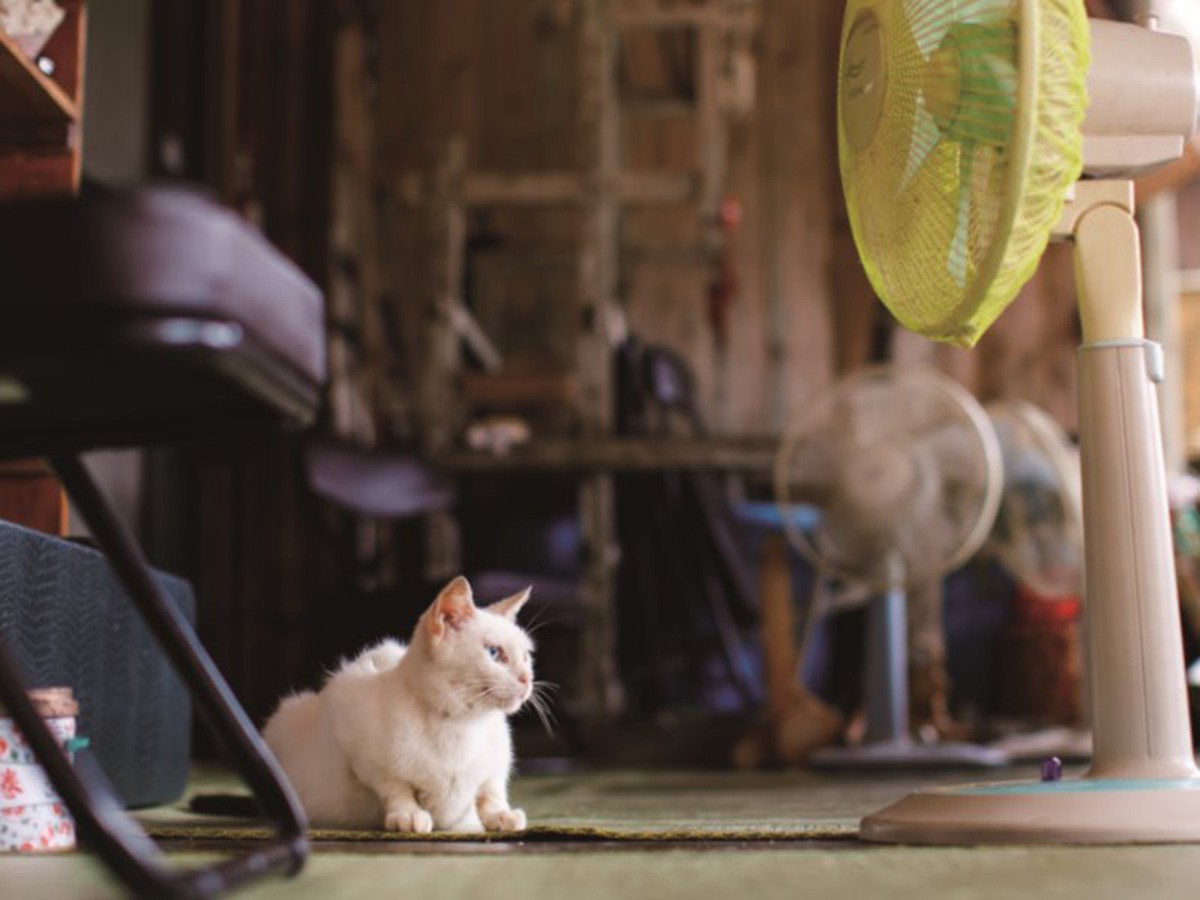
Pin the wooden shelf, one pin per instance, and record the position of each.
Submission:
(26, 93)
(518, 389)
(730, 454)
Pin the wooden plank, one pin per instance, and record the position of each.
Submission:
(712, 152)
(37, 174)
(33, 499)
(443, 360)
(711, 453)
(540, 188)
(511, 390)
(506, 91)
(711, 149)
(481, 189)
(655, 188)
(359, 385)
(26, 93)
(599, 689)
(66, 48)
(797, 193)
(727, 14)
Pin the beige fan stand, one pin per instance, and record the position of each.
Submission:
(1143, 785)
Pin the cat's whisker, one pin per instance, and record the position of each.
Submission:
(537, 626)
(540, 697)
(537, 704)
(542, 618)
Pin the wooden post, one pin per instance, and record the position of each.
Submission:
(797, 186)
(442, 371)
(355, 290)
(443, 362)
(712, 153)
(600, 698)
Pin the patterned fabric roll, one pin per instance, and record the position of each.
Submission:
(33, 819)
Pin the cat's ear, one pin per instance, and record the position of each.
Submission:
(453, 607)
(510, 606)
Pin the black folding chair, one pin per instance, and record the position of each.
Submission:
(131, 319)
(680, 524)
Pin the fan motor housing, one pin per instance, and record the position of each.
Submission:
(1144, 95)
(864, 80)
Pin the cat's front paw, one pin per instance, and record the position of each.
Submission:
(505, 820)
(411, 820)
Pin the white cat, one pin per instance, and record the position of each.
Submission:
(415, 738)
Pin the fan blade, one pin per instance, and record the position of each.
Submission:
(1038, 536)
(931, 20)
(957, 262)
(955, 451)
(925, 139)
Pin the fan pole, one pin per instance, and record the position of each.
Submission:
(1138, 688)
(886, 682)
(1143, 784)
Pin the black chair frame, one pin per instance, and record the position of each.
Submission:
(101, 821)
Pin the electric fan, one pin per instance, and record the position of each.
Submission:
(1038, 539)
(903, 469)
(962, 134)
(1038, 535)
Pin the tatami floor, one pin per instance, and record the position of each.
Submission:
(621, 835)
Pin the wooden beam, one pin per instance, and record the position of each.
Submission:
(608, 454)
(474, 336)
(600, 695)
(551, 188)
(514, 390)
(499, 189)
(443, 361)
(661, 188)
(739, 15)
(798, 199)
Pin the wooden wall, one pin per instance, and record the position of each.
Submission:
(307, 116)
(500, 73)
(240, 100)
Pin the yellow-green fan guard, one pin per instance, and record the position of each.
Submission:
(959, 127)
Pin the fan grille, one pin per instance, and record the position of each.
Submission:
(958, 145)
(903, 468)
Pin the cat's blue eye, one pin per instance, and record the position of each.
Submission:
(493, 651)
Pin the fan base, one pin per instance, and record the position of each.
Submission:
(908, 754)
(1074, 811)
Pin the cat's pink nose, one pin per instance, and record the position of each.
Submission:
(524, 679)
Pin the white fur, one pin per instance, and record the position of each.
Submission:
(416, 738)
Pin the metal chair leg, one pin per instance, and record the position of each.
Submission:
(100, 819)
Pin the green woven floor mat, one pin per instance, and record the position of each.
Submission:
(607, 806)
